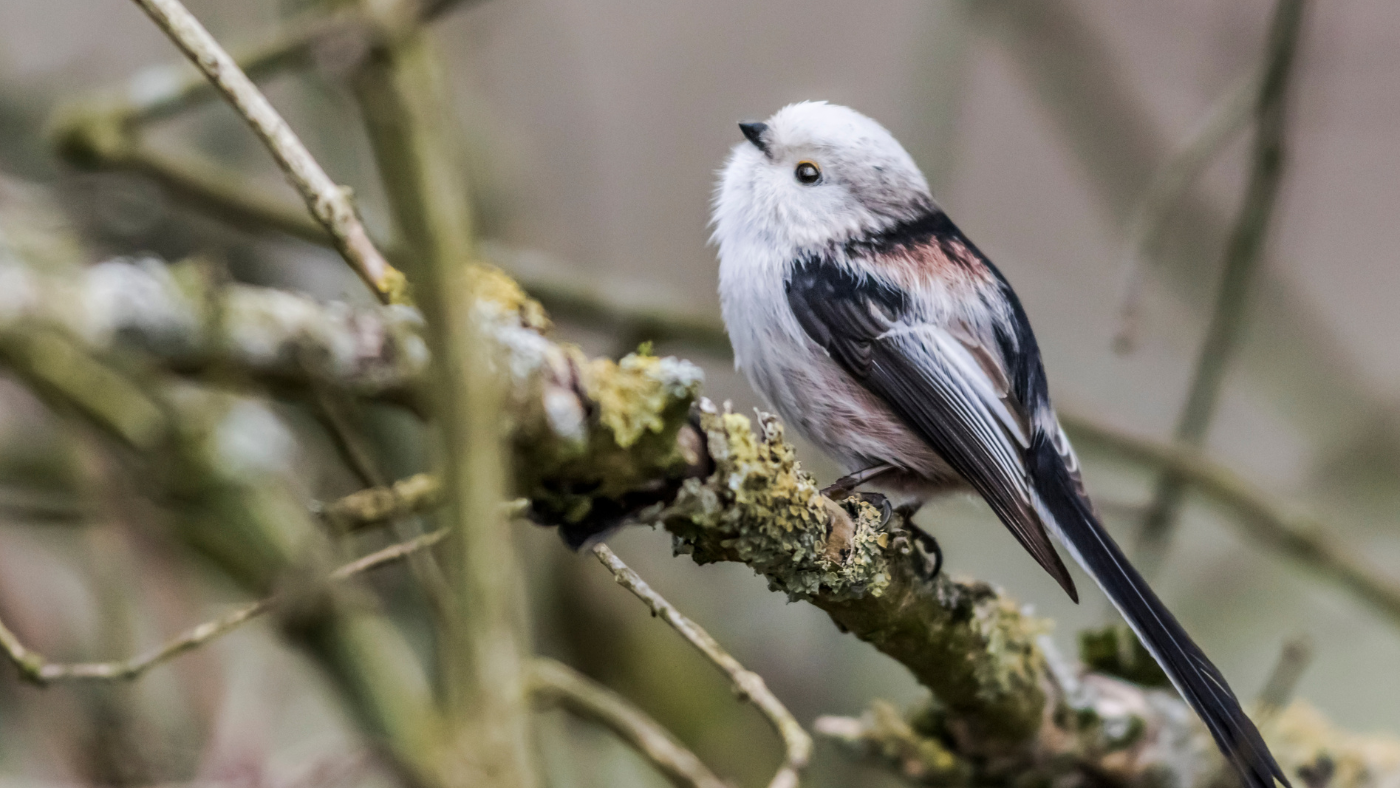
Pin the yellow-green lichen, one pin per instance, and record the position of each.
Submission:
(638, 395)
(882, 735)
(488, 284)
(636, 407)
(760, 507)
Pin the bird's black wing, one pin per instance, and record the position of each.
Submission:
(934, 379)
(985, 409)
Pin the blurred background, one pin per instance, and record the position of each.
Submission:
(594, 132)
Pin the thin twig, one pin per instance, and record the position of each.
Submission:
(354, 450)
(1300, 538)
(166, 90)
(1169, 183)
(748, 685)
(381, 504)
(1295, 657)
(556, 684)
(1242, 255)
(389, 554)
(327, 201)
(198, 183)
(33, 667)
(359, 456)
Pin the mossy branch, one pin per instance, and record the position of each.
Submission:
(192, 321)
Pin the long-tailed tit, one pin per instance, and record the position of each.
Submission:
(876, 329)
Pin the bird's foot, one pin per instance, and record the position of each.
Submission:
(841, 488)
(931, 553)
(838, 490)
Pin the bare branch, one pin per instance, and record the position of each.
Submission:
(1242, 254)
(34, 668)
(748, 685)
(1297, 654)
(327, 201)
(166, 90)
(204, 186)
(389, 554)
(555, 684)
(1079, 81)
(1167, 187)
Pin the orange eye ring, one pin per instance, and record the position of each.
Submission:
(807, 172)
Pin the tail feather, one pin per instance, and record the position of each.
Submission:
(1201, 685)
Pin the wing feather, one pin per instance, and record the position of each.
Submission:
(937, 381)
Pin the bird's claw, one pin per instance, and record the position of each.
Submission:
(930, 549)
(932, 553)
(837, 491)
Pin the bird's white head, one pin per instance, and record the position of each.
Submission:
(813, 175)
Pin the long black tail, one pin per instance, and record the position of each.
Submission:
(1198, 681)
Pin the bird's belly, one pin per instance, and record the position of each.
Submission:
(825, 405)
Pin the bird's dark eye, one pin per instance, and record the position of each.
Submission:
(808, 172)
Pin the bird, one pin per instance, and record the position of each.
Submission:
(877, 330)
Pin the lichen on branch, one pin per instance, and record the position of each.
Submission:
(970, 646)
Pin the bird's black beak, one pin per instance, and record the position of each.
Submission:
(757, 133)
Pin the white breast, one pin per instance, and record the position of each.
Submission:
(799, 380)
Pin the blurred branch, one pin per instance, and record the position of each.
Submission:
(1299, 538)
(555, 684)
(590, 305)
(632, 326)
(195, 323)
(327, 201)
(167, 90)
(204, 186)
(1062, 50)
(35, 668)
(418, 493)
(748, 685)
(226, 196)
(191, 448)
(1167, 187)
(72, 380)
(336, 411)
(1295, 657)
(379, 504)
(411, 126)
(883, 736)
(1242, 255)
(22, 505)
